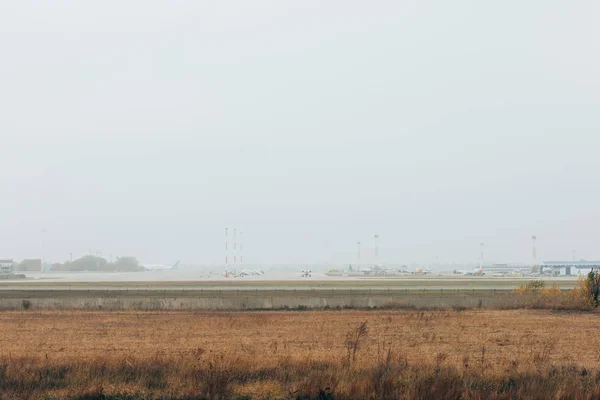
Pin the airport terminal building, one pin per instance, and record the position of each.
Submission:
(570, 268)
(6, 267)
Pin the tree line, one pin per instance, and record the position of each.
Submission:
(82, 264)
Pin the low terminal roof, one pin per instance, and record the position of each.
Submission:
(572, 263)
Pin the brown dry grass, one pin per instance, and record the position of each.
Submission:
(405, 354)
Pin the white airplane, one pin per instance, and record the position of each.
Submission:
(160, 267)
(475, 271)
(367, 270)
(245, 272)
(422, 271)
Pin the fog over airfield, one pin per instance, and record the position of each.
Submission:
(146, 127)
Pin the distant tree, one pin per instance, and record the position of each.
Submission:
(30, 265)
(92, 263)
(593, 287)
(86, 263)
(126, 264)
(587, 292)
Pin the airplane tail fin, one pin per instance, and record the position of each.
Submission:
(175, 266)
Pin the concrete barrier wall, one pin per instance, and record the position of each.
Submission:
(249, 300)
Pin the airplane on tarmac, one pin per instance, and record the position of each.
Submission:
(160, 267)
(422, 271)
(251, 272)
(475, 272)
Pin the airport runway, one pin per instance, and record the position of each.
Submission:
(257, 288)
(181, 290)
(182, 280)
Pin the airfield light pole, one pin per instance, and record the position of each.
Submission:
(44, 231)
(226, 251)
(481, 256)
(241, 250)
(534, 251)
(358, 247)
(574, 257)
(376, 240)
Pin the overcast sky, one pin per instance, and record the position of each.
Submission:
(146, 127)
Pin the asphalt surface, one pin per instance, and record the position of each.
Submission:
(182, 280)
(252, 288)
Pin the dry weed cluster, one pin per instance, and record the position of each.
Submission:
(583, 297)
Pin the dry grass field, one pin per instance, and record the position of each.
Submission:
(289, 355)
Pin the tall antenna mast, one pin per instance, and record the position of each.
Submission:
(234, 250)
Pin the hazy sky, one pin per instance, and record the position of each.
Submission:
(146, 127)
